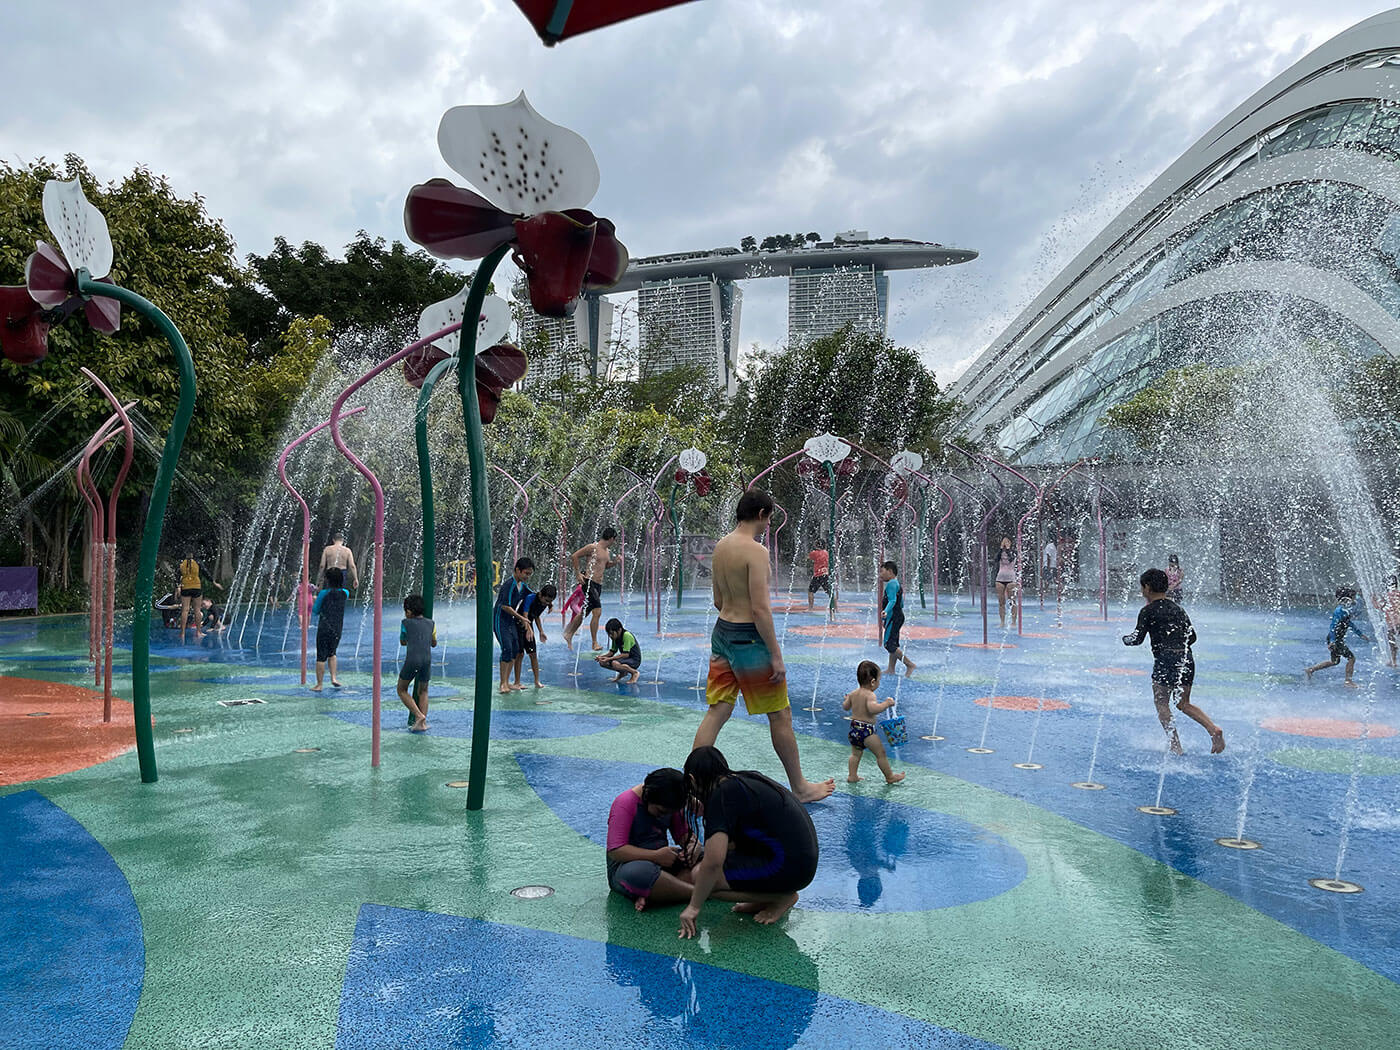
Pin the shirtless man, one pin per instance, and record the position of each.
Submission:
(597, 558)
(744, 653)
(336, 558)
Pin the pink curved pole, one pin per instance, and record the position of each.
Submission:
(303, 609)
(558, 493)
(368, 475)
(515, 526)
(1020, 565)
(113, 494)
(773, 466)
(937, 527)
(100, 605)
(774, 552)
(1035, 510)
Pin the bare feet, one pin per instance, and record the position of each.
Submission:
(854, 780)
(810, 792)
(420, 726)
(335, 683)
(1307, 673)
(538, 684)
(1217, 742)
(640, 904)
(1176, 747)
(895, 779)
(909, 667)
(315, 688)
(597, 648)
(747, 908)
(775, 911)
(569, 640)
(1349, 684)
(635, 676)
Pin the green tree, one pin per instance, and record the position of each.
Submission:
(376, 284)
(168, 249)
(854, 383)
(748, 244)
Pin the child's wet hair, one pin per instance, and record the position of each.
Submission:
(1155, 580)
(894, 568)
(665, 788)
(413, 605)
(613, 625)
(548, 593)
(868, 673)
(524, 564)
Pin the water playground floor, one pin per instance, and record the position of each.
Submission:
(274, 891)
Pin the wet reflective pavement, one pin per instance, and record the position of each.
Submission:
(272, 890)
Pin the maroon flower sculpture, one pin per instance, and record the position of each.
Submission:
(52, 283)
(499, 366)
(701, 481)
(24, 329)
(535, 178)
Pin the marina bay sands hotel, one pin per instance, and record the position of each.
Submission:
(688, 303)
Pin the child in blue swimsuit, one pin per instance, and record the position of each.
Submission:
(864, 705)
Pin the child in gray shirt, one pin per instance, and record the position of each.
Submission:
(419, 635)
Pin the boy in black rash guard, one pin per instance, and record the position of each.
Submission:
(1173, 668)
(330, 607)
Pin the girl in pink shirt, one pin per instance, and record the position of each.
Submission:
(641, 864)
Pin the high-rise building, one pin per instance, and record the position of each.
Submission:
(824, 299)
(688, 322)
(562, 346)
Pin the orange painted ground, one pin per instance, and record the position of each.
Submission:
(984, 645)
(1327, 728)
(69, 735)
(1133, 671)
(1021, 703)
(863, 631)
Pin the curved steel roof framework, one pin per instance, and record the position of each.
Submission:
(1215, 228)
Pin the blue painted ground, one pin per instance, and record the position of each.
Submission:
(421, 980)
(876, 854)
(73, 958)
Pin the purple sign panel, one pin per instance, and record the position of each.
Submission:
(19, 588)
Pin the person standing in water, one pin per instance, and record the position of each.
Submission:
(1007, 573)
(336, 560)
(744, 653)
(821, 577)
(1173, 666)
(1337, 638)
(1389, 606)
(596, 558)
(330, 607)
(191, 591)
(891, 610)
(1174, 577)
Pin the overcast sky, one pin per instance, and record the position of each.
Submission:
(1017, 128)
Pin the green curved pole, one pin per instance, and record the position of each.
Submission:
(831, 536)
(425, 484)
(155, 515)
(481, 528)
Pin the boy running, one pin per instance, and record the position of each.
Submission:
(597, 558)
(892, 617)
(1173, 666)
(864, 706)
(419, 634)
(1337, 638)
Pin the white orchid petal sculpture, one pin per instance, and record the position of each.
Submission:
(827, 448)
(78, 227)
(492, 327)
(519, 161)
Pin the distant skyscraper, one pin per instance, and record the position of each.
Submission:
(690, 321)
(560, 346)
(824, 299)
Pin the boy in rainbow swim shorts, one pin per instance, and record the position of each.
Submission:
(744, 653)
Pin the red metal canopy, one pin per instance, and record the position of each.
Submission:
(555, 20)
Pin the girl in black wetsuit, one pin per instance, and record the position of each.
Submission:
(760, 844)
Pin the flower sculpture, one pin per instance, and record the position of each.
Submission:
(83, 244)
(57, 282)
(499, 366)
(535, 179)
(24, 326)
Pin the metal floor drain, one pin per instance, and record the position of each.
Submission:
(1157, 811)
(1335, 886)
(1087, 785)
(532, 893)
(1237, 843)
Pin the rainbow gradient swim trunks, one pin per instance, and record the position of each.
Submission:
(740, 663)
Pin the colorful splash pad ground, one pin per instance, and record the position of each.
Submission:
(273, 891)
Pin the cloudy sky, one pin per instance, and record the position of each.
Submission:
(1015, 127)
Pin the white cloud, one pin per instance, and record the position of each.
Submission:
(1017, 130)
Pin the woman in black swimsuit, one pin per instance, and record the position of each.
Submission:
(760, 844)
